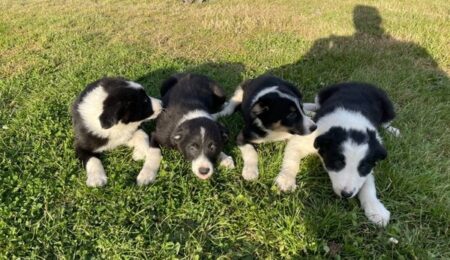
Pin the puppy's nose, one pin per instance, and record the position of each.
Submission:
(203, 170)
(312, 128)
(346, 194)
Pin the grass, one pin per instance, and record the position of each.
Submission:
(49, 50)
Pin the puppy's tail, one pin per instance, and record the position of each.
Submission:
(231, 105)
(392, 130)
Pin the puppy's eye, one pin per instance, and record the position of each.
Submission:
(339, 164)
(193, 148)
(212, 147)
(292, 115)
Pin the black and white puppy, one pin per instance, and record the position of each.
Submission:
(187, 125)
(272, 111)
(107, 114)
(347, 117)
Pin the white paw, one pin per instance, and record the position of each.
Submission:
(145, 177)
(394, 131)
(250, 173)
(378, 214)
(137, 155)
(96, 180)
(227, 162)
(285, 182)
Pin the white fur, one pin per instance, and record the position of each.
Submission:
(348, 179)
(250, 156)
(226, 161)
(394, 131)
(373, 208)
(202, 134)
(134, 85)
(296, 148)
(152, 157)
(232, 104)
(96, 176)
(193, 115)
(202, 161)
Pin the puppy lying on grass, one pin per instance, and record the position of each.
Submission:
(107, 114)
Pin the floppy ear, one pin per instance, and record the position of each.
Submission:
(325, 140)
(223, 132)
(322, 141)
(111, 115)
(379, 152)
(259, 107)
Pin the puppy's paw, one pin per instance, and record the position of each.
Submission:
(145, 177)
(377, 213)
(97, 179)
(227, 162)
(285, 182)
(250, 173)
(138, 155)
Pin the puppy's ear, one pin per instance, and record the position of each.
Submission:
(223, 132)
(111, 115)
(334, 134)
(178, 135)
(167, 84)
(379, 152)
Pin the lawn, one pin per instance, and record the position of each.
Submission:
(49, 50)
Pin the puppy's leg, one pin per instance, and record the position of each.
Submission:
(96, 176)
(296, 149)
(249, 155)
(226, 161)
(229, 108)
(373, 208)
(394, 131)
(151, 155)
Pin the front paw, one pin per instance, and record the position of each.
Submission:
(145, 177)
(137, 155)
(227, 162)
(96, 180)
(285, 182)
(250, 173)
(377, 213)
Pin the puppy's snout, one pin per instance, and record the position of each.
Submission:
(346, 194)
(203, 170)
(312, 128)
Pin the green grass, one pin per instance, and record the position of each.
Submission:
(49, 50)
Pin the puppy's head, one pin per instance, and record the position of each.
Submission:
(127, 102)
(349, 156)
(284, 114)
(200, 140)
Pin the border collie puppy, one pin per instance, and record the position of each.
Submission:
(107, 114)
(186, 123)
(347, 117)
(272, 111)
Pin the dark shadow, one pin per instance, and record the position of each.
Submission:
(370, 54)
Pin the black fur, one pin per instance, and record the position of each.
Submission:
(123, 104)
(372, 103)
(181, 94)
(367, 99)
(275, 113)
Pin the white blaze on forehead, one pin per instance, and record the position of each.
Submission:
(134, 85)
(202, 133)
(193, 115)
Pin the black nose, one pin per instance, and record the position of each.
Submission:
(345, 194)
(203, 170)
(312, 128)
